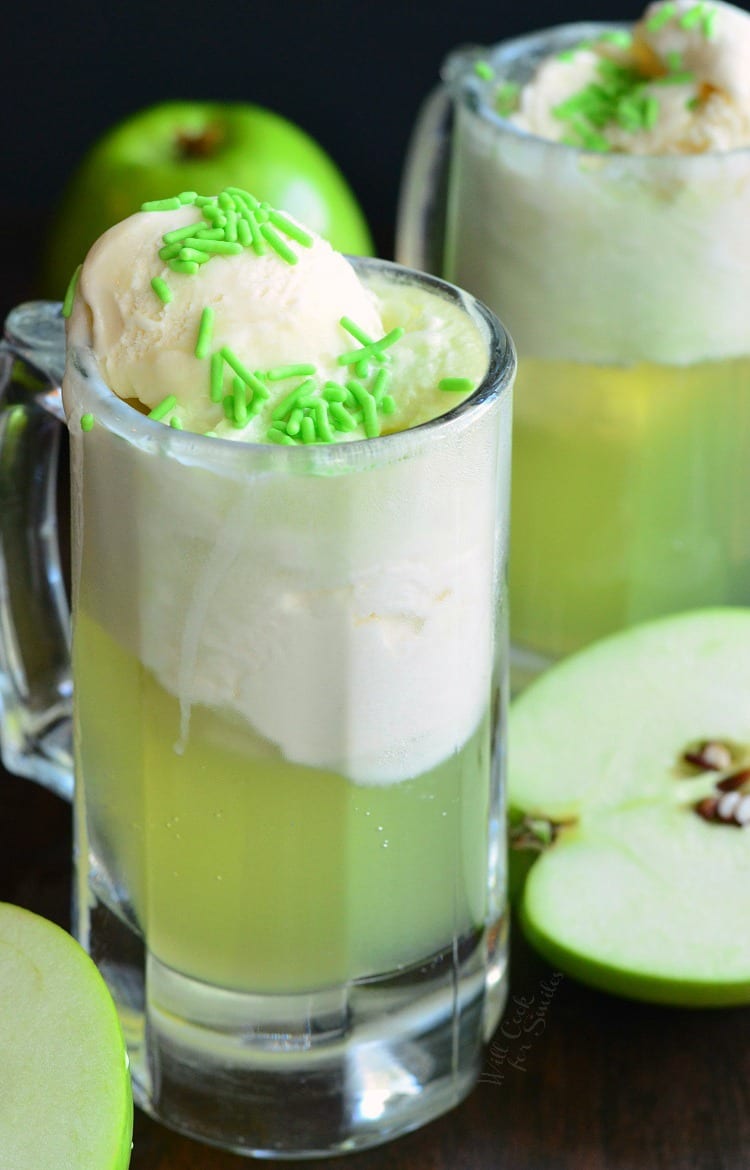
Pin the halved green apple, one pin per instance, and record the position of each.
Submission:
(65, 1096)
(628, 773)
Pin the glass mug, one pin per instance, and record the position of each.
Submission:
(301, 913)
(625, 283)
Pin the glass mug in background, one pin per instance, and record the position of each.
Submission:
(625, 283)
(300, 913)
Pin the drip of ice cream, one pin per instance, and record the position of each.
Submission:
(680, 83)
(222, 315)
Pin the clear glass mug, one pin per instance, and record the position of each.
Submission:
(289, 698)
(625, 283)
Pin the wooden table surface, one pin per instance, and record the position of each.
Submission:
(574, 1080)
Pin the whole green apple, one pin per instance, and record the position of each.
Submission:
(177, 146)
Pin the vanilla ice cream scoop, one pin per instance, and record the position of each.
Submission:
(221, 315)
(679, 84)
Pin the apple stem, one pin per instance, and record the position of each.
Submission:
(534, 833)
(204, 144)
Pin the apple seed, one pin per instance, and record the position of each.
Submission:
(742, 812)
(711, 755)
(731, 808)
(727, 805)
(737, 781)
(707, 807)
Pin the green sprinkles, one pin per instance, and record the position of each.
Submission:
(162, 290)
(355, 331)
(230, 357)
(287, 404)
(205, 332)
(291, 229)
(274, 239)
(239, 402)
(484, 70)
(216, 380)
(295, 421)
(280, 373)
(660, 18)
(199, 255)
(256, 239)
(170, 251)
(163, 408)
(382, 378)
(178, 234)
(232, 221)
(172, 204)
(212, 247)
(276, 436)
(709, 22)
(187, 267)
(619, 97)
(341, 418)
(506, 98)
(701, 14)
(87, 422)
(456, 385)
(617, 37)
(684, 77)
(70, 292)
(308, 434)
(322, 422)
(373, 349)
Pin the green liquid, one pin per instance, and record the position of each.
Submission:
(630, 490)
(255, 874)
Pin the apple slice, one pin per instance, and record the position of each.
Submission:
(630, 772)
(65, 1097)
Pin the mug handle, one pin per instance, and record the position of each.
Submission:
(422, 205)
(35, 673)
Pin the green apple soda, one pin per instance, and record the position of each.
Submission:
(289, 688)
(651, 518)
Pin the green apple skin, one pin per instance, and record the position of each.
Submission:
(637, 895)
(243, 145)
(66, 1099)
(632, 985)
(598, 917)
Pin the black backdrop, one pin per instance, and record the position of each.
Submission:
(351, 73)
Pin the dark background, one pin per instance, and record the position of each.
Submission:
(352, 74)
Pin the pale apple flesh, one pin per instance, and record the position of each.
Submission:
(639, 894)
(66, 1098)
